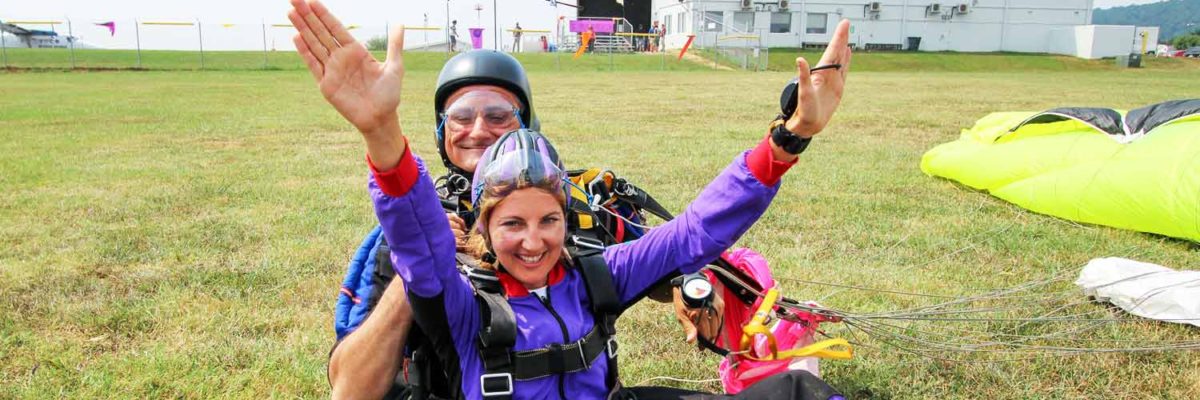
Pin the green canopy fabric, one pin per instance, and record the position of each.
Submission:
(1137, 170)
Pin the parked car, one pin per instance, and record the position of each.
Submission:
(1193, 52)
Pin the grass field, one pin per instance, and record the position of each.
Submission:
(184, 233)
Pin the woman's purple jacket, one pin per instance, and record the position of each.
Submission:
(423, 250)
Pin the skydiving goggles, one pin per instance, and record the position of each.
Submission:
(489, 108)
(522, 168)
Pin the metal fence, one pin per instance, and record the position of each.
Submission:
(190, 45)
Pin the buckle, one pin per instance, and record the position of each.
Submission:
(611, 347)
(504, 378)
(587, 242)
(482, 274)
(583, 360)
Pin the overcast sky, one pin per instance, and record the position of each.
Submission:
(247, 16)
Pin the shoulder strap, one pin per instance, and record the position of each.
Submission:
(605, 301)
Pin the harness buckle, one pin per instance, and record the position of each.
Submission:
(500, 378)
(587, 242)
(457, 184)
(583, 360)
(611, 347)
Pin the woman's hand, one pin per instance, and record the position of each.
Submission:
(819, 93)
(365, 91)
(705, 322)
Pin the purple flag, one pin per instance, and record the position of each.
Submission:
(112, 27)
(476, 38)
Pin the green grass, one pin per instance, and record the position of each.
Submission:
(183, 234)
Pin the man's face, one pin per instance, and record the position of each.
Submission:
(474, 117)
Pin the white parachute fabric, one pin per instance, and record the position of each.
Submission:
(1144, 289)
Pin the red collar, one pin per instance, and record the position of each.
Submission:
(512, 288)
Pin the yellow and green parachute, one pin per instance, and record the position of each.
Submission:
(1137, 170)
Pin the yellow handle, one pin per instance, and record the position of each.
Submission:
(836, 349)
(822, 349)
(758, 323)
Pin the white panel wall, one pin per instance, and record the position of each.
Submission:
(988, 25)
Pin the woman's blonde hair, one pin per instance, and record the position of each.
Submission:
(478, 244)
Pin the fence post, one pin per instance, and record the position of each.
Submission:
(71, 42)
(4, 48)
(137, 34)
(200, 32)
(266, 64)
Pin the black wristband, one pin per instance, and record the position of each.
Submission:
(788, 141)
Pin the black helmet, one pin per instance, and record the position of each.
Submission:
(481, 67)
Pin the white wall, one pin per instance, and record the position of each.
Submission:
(989, 25)
(1091, 41)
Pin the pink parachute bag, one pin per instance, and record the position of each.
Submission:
(738, 373)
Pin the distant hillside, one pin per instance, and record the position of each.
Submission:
(1172, 16)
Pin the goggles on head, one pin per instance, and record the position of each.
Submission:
(522, 168)
(485, 107)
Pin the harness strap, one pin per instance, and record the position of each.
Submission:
(634, 195)
(559, 358)
(606, 303)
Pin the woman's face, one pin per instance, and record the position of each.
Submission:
(475, 116)
(527, 230)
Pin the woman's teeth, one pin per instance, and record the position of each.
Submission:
(532, 259)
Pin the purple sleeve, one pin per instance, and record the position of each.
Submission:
(418, 235)
(723, 211)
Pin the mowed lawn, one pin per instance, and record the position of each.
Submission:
(184, 233)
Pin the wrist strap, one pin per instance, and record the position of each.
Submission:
(787, 140)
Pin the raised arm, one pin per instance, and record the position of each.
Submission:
(365, 91)
(734, 201)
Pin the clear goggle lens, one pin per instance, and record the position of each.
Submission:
(482, 107)
(523, 168)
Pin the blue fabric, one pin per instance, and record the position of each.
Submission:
(348, 315)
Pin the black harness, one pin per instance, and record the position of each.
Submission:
(498, 332)
(589, 235)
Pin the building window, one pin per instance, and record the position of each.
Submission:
(743, 21)
(781, 22)
(713, 21)
(817, 23)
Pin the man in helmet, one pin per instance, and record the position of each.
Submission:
(480, 96)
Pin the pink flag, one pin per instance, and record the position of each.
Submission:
(112, 27)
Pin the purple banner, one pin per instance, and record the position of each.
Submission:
(600, 26)
(476, 38)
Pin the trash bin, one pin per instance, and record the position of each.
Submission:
(1135, 60)
(914, 43)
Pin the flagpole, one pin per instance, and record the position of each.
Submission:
(200, 31)
(264, 31)
(137, 34)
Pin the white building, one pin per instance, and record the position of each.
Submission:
(1028, 26)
